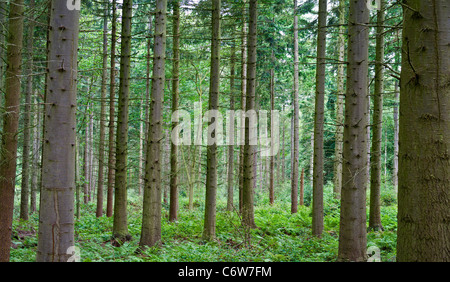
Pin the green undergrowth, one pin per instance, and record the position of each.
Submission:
(280, 236)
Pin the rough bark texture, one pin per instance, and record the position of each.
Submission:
(424, 160)
(337, 170)
(377, 126)
(319, 119)
(151, 217)
(56, 217)
(352, 233)
(295, 131)
(120, 225)
(209, 230)
(173, 211)
(10, 126)
(112, 110)
(249, 163)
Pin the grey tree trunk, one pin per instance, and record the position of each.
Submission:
(377, 126)
(56, 215)
(10, 126)
(424, 160)
(295, 150)
(209, 229)
(230, 173)
(317, 201)
(151, 216)
(120, 223)
(352, 231)
(35, 172)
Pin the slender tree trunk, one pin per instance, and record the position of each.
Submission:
(377, 126)
(112, 110)
(352, 232)
(173, 211)
(86, 157)
(25, 191)
(337, 178)
(10, 126)
(295, 159)
(243, 102)
(56, 215)
(424, 160)
(101, 148)
(151, 216)
(317, 202)
(209, 230)
(395, 163)
(120, 223)
(272, 157)
(302, 185)
(230, 178)
(249, 174)
(36, 156)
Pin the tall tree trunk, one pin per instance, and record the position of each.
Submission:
(230, 178)
(209, 230)
(352, 232)
(272, 108)
(317, 201)
(10, 126)
(35, 172)
(302, 185)
(120, 223)
(101, 148)
(243, 101)
(395, 162)
(295, 156)
(56, 217)
(151, 215)
(173, 211)
(112, 110)
(424, 160)
(377, 126)
(337, 177)
(86, 157)
(249, 174)
(25, 191)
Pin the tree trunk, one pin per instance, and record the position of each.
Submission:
(151, 216)
(395, 162)
(101, 148)
(25, 185)
(377, 126)
(209, 230)
(120, 223)
(243, 102)
(112, 110)
(352, 232)
(317, 200)
(249, 173)
(230, 178)
(337, 178)
(56, 217)
(295, 156)
(87, 162)
(424, 161)
(302, 185)
(272, 145)
(173, 211)
(36, 156)
(10, 126)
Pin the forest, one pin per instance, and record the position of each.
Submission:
(225, 131)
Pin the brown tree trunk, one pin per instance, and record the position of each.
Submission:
(120, 223)
(317, 201)
(424, 160)
(56, 215)
(352, 232)
(151, 215)
(295, 150)
(10, 126)
(377, 126)
(230, 178)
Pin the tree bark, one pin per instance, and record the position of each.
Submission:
(352, 231)
(424, 160)
(112, 110)
(377, 126)
(337, 178)
(209, 229)
(317, 201)
(295, 156)
(151, 216)
(120, 223)
(249, 173)
(10, 126)
(173, 210)
(56, 215)
(230, 178)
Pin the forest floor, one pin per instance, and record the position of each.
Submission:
(280, 236)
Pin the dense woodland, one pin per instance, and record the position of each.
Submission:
(358, 101)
